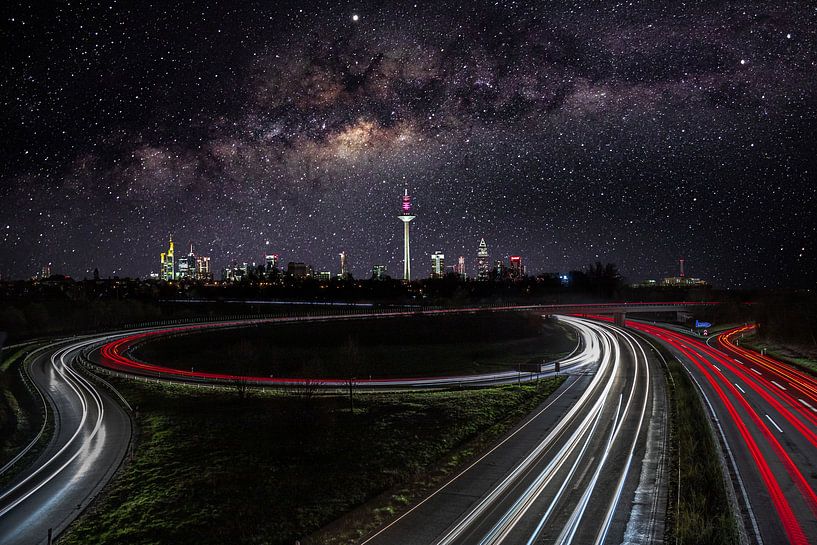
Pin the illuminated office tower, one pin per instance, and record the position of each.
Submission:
(187, 265)
(379, 272)
(437, 265)
(271, 261)
(459, 268)
(167, 268)
(483, 262)
(517, 270)
(203, 268)
(499, 270)
(406, 217)
(344, 266)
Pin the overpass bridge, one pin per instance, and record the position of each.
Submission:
(619, 310)
(312, 309)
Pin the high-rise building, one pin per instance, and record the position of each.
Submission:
(235, 272)
(437, 265)
(324, 276)
(483, 265)
(379, 272)
(499, 270)
(203, 268)
(517, 270)
(299, 270)
(406, 217)
(45, 273)
(459, 268)
(167, 267)
(344, 266)
(187, 265)
(271, 261)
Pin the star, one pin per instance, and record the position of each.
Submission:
(534, 128)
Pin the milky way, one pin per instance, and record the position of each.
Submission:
(568, 134)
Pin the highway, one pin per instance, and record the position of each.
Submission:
(91, 436)
(90, 430)
(586, 467)
(765, 413)
(117, 356)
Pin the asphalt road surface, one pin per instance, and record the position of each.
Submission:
(586, 467)
(765, 413)
(91, 436)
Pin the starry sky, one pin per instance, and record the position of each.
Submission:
(564, 132)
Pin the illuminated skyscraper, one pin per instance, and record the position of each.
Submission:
(271, 261)
(379, 272)
(437, 265)
(459, 268)
(406, 217)
(203, 268)
(517, 271)
(344, 266)
(167, 267)
(483, 262)
(499, 270)
(187, 265)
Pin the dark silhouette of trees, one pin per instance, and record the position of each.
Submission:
(790, 318)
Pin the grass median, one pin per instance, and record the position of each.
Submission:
(236, 467)
(699, 509)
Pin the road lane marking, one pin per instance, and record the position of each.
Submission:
(774, 423)
(779, 385)
(807, 404)
(755, 370)
(741, 389)
(584, 473)
(718, 368)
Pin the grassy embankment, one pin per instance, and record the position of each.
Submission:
(20, 409)
(783, 352)
(698, 512)
(214, 467)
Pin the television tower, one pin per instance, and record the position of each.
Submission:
(406, 217)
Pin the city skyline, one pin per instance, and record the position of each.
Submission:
(177, 269)
(623, 135)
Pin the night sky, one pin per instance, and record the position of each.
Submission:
(567, 133)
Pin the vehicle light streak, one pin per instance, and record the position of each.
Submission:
(696, 352)
(114, 356)
(594, 349)
(801, 380)
(86, 393)
(576, 446)
(607, 365)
